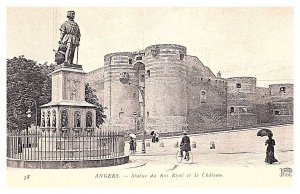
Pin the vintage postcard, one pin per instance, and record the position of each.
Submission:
(110, 97)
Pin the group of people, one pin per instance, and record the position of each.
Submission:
(155, 137)
(185, 146)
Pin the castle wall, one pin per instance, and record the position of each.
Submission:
(95, 79)
(241, 96)
(206, 97)
(180, 91)
(121, 99)
(281, 105)
(165, 87)
(262, 105)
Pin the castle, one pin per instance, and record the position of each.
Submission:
(181, 93)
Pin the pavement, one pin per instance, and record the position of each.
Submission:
(242, 148)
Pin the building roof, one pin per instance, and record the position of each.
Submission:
(69, 103)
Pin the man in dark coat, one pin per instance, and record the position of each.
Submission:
(185, 145)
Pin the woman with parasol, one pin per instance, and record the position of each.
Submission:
(132, 143)
(270, 158)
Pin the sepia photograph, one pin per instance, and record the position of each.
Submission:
(113, 97)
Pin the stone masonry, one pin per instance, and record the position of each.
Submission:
(181, 93)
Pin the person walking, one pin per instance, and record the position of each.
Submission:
(156, 137)
(153, 136)
(270, 158)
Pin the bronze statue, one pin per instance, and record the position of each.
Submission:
(69, 38)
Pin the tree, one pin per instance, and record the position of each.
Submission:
(92, 98)
(45, 95)
(25, 80)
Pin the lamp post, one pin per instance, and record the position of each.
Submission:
(238, 114)
(142, 91)
(124, 78)
(29, 102)
(135, 121)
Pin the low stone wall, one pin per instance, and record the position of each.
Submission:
(14, 163)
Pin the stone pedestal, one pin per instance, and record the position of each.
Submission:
(68, 112)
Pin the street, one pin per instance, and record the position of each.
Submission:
(237, 160)
(242, 148)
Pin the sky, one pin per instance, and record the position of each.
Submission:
(249, 41)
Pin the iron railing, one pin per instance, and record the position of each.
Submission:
(49, 145)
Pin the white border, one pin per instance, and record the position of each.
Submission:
(152, 3)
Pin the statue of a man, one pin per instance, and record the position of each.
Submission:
(70, 36)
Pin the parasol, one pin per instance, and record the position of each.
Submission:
(132, 135)
(264, 132)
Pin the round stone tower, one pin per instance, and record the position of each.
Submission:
(120, 98)
(165, 87)
(241, 95)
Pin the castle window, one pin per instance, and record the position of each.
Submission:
(134, 95)
(284, 112)
(138, 58)
(181, 56)
(121, 114)
(243, 109)
(282, 90)
(203, 97)
(130, 61)
(231, 110)
(147, 114)
(201, 79)
(148, 73)
(238, 85)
